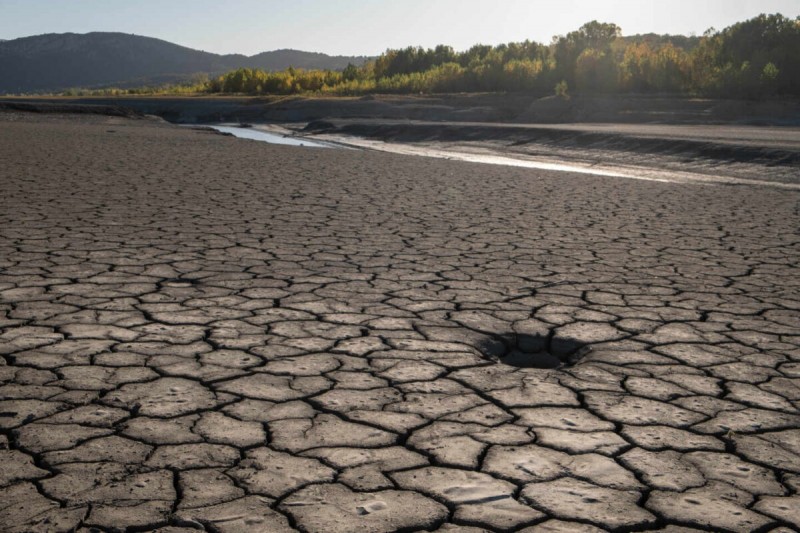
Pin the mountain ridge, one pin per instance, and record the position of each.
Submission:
(59, 61)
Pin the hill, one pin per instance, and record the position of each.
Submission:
(57, 61)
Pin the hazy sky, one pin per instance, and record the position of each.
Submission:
(364, 27)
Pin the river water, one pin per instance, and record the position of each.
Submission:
(259, 134)
(278, 135)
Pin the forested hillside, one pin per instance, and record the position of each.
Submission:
(756, 58)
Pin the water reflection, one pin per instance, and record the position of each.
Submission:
(487, 156)
(266, 136)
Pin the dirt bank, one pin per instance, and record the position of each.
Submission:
(748, 138)
(519, 107)
(741, 151)
(70, 108)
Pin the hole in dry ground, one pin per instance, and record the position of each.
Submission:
(534, 351)
(178, 283)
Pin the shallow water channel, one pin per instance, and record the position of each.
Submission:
(270, 137)
(278, 135)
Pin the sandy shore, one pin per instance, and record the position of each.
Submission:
(203, 332)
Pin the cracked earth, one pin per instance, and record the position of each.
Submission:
(204, 333)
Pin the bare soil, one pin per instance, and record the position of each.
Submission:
(199, 332)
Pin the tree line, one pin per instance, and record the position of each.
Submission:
(756, 58)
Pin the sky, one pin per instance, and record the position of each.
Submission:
(368, 27)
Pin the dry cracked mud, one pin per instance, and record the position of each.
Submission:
(204, 333)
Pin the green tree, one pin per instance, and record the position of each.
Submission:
(350, 72)
(594, 35)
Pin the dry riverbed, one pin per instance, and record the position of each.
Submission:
(200, 332)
